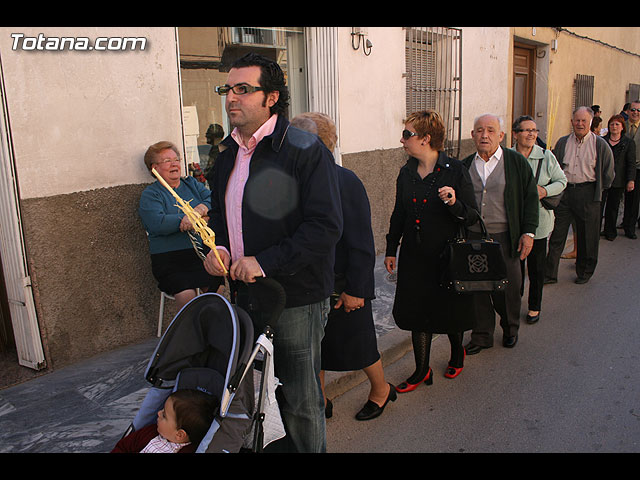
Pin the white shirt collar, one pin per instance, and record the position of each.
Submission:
(483, 168)
(496, 157)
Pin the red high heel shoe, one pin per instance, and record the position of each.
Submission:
(453, 372)
(405, 387)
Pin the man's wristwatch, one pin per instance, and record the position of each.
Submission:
(530, 235)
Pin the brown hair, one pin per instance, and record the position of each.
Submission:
(428, 122)
(320, 124)
(155, 149)
(195, 411)
(618, 118)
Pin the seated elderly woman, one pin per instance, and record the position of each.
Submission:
(174, 261)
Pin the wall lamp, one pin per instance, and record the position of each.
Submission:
(358, 35)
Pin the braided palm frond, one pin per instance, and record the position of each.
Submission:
(197, 246)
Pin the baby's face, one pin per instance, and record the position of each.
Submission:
(167, 425)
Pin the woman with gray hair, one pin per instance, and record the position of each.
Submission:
(551, 181)
(175, 264)
(350, 341)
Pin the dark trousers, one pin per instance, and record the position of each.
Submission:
(506, 304)
(610, 204)
(577, 204)
(631, 207)
(535, 262)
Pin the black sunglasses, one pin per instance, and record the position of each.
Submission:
(407, 134)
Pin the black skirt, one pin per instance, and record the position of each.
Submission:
(349, 342)
(181, 270)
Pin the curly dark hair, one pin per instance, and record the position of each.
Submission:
(271, 79)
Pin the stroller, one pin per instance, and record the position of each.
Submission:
(210, 346)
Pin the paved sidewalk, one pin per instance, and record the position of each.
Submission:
(86, 407)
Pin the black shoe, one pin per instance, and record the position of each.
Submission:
(510, 342)
(582, 280)
(372, 409)
(472, 348)
(328, 409)
(548, 281)
(632, 236)
(533, 319)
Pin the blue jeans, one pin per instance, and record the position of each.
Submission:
(296, 356)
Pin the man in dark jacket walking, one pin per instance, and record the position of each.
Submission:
(275, 210)
(507, 197)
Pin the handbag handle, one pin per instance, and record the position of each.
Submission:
(538, 171)
(483, 228)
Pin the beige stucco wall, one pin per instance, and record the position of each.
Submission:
(80, 122)
(372, 104)
(89, 114)
(371, 90)
(485, 74)
(612, 68)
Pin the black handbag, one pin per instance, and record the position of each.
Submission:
(473, 266)
(552, 202)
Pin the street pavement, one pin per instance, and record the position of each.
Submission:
(571, 384)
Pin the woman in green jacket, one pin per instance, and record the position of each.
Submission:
(551, 181)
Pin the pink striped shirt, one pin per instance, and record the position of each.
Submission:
(237, 182)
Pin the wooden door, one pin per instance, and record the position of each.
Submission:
(523, 80)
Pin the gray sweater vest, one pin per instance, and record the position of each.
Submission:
(490, 199)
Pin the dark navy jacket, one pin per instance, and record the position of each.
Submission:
(355, 252)
(291, 214)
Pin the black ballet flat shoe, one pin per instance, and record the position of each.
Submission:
(531, 319)
(372, 409)
(328, 409)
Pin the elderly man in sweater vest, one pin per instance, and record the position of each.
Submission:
(507, 197)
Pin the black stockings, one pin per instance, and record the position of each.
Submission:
(422, 353)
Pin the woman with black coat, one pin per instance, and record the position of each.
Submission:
(624, 159)
(434, 198)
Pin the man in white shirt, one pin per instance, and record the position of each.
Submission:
(587, 162)
(507, 197)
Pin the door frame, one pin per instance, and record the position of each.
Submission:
(17, 280)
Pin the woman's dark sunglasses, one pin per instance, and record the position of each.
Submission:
(407, 134)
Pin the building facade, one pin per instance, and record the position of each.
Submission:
(81, 105)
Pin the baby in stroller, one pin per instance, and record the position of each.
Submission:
(210, 347)
(181, 425)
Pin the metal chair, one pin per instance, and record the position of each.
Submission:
(164, 296)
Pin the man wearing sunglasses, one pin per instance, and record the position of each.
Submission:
(275, 210)
(632, 198)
